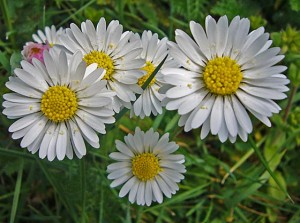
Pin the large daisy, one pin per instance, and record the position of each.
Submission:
(58, 105)
(112, 50)
(226, 73)
(154, 51)
(146, 166)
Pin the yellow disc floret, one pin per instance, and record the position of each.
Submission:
(145, 166)
(103, 60)
(59, 103)
(149, 68)
(222, 76)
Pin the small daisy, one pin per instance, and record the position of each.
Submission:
(226, 73)
(58, 105)
(154, 51)
(34, 50)
(50, 36)
(146, 166)
(112, 50)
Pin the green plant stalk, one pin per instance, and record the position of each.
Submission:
(264, 162)
(17, 193)
(83, 189)
(4, 9)
(290, 102)
(145, 85)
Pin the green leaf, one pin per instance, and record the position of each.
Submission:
(274, 190)
(15, 60)
(4, 61)
(295, 5)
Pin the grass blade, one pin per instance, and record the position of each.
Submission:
(17, 193)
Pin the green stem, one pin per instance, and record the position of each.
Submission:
(7, 20)
(17, 193)
(83, 188)
(290, 102)
(264, 162)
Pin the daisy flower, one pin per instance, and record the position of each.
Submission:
(146, 166)
(112, 50)
(50, 36)
(58, 105)
(154, 51)
(226, 73)
(34, 50)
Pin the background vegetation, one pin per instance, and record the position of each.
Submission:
(224, 182)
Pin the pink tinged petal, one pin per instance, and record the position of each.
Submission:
(23, 89)
(33, 133)
(163, 186)
(51, 68)
(61, 144)
(216, 115)
(120, 181)
(141, 194)
(118, 173)
(46, 140)
(205, 128)
(241, 115)
(200, 38)
(263, 92)
(127, 186)
(222, 35)
(156, 191)
(76, 138)
(24, 122)
(148, 193)
(203, 112)
(230, 117)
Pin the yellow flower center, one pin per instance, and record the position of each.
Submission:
(222, 76)
(103, 60)
(59, 103)
(149, 68)
(145, 166)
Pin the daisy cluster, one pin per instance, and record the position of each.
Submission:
(73, 81)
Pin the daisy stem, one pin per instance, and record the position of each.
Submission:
(83, 188)
(7, 20)
(265, 164)
(17, 192)
(290, 102)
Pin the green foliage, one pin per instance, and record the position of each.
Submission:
(224, 182)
